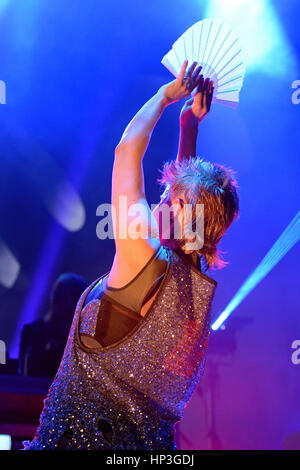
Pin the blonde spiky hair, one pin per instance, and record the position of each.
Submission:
(212, 185)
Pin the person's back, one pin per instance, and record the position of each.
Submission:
(130, 393)
(134, 358)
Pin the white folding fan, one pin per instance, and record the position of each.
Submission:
(216, 48)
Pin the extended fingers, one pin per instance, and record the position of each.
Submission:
(190, 71)
(189, 78)
(204, 92)
(182, 72)
(193, 81)
(195, 77)
(209, 95)
(200, 84)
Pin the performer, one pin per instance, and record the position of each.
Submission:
(136, 346)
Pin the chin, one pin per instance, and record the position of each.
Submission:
(169, 243)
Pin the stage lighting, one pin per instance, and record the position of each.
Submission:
(3, 5)
(285, 242)
(263, 40)
(40, 283)
(9, 266)
(66, 207)
(5, 442)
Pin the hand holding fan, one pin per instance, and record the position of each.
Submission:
(214, 47)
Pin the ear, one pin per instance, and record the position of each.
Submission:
(180, 202)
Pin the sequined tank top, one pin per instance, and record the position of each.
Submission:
(130, 394)
(119, 310)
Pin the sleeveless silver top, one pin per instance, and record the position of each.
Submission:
(129, 395)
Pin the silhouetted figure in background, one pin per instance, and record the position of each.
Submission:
(43, 341)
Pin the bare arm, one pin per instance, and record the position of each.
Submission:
(187, 142)
(192, 113)
(133, 252)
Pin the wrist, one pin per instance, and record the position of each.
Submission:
(164, 98)
(189, 120)
(190, 126)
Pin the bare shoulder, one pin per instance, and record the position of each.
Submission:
(128, 263)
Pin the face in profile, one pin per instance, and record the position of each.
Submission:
(172, 220)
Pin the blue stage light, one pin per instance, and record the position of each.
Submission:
(3, 4)
(5, 442)
(265, 45)
(66, 206)
(285, 242)
(9, 266)
(40, 282)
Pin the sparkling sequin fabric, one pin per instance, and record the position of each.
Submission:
(130, 395)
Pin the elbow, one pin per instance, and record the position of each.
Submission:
(126, 150)
(122, 155)
(120, 148)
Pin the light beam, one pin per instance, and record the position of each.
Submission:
(285, 242)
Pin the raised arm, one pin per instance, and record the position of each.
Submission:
(192, 113)
(133, 251)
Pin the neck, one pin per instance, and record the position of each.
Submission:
(192, 258)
